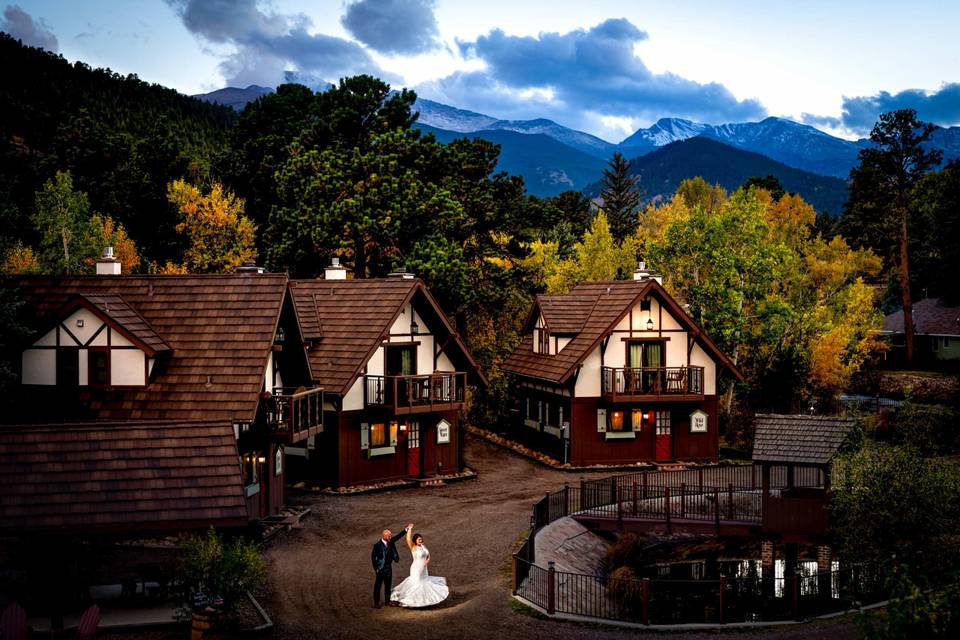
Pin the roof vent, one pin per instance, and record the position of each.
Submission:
(642, 274)
(335, 271)
(249, 268)
(107, 265)
(401, 274)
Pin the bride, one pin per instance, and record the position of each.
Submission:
(420, 589)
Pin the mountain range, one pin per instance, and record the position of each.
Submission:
(553, 158)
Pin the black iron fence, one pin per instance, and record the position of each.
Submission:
(730, 494)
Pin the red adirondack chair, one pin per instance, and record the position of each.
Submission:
(13, 623)
(88, 623)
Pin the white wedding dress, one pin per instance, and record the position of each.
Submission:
(420, 589)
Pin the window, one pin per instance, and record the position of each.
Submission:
(98, 367)
(413, 435)
(401, 361)
(935, 344)
(637, 419)
(278, 462)
(946, 343)
(378, 435)
(541, 341)
(68, 367)
(663, 423)
(250, 468)
(616, 421)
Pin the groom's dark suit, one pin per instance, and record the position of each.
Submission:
(383, 555)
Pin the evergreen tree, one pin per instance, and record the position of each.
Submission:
(621, 196)
(882, 190)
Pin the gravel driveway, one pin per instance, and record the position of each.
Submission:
(321, 582)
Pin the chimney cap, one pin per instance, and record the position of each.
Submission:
(335, 271)
(402, 274)
(249, 267)
(108, 264)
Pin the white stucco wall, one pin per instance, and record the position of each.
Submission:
(699, 358)
(39, 366)
(588, 382)
(127, 367)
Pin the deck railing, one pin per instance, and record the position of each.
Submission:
(406, 394)
(295, 414)
(728, 494)
(652, 381)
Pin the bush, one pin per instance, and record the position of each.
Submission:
(916, 610)
(932, 429)
(211, 566)
(625, 587)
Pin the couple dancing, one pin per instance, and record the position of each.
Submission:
(420, 589)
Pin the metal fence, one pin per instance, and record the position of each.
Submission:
(705, 494)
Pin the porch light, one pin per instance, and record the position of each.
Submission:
(649, 324)
(414, 327)
(281, 336)
(403, 426)
(261, 459)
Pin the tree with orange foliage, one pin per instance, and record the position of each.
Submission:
(105, 232)
(21, 260)
(221, 237)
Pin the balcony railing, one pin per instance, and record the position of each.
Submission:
(416, 394)
(629, 383)
(295, 415)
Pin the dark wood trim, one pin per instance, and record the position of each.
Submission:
(412, 343)
(96, 333)
(70, 333)
(646, 339)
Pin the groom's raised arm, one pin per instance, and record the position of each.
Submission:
(398, 537)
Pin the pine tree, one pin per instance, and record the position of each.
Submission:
(621, 196)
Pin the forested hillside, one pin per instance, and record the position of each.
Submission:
(122, 139)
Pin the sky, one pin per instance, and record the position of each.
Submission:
(605, 67)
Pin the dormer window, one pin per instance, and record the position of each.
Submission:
(541, 340)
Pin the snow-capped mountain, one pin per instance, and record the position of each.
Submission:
(450, 118)
(661, 133)
(570, 137)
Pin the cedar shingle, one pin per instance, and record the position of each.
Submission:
(76, 476)
(799, 439)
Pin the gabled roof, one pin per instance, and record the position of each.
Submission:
(115, 311)
(797, 439)
(220, 329)
(930, 316)
(613, 300)
(107, 477)
(565, 315)
(346, 321)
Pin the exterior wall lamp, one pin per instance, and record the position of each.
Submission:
(649, 324)
(414, 327)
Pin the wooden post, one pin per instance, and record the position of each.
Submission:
(716, 508)
(551, 587)
(619, 509)
(516, 575)
(683, 499)
(723, 588)
(796, 596)
(666, 507)
(646, 600)
(566, 499)
(730, 501)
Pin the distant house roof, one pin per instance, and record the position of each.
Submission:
(594, 309)
(930, 316)
(798, 439)
(345, 322)
(219, 330)
(108, 477)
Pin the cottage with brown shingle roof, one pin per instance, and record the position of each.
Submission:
(617, 373)
(192, 356)
(395, 376)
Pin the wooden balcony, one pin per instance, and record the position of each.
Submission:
(416, 394)
(628, 384)
(294, 416)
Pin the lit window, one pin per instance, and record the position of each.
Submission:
(616, 421)
(637, 419)
(378, 435)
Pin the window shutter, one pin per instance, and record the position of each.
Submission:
(364, 436)
(393, 434)
(601, 420)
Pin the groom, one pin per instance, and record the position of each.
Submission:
(383, 555)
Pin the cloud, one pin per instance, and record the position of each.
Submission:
(860, 113)
(19, 24)
(269, 45)
(591, 71)
(393, 26)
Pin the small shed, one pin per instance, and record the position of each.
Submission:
(802, 445)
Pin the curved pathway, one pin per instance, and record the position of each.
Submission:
(321, 582)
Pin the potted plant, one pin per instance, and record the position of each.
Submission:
(214, 575)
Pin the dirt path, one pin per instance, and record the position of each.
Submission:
(321, 582)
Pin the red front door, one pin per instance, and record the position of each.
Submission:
(413, 449)
(664, 438)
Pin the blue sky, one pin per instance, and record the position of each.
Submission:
(602, 66)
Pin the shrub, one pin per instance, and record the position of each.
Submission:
(932, 429)
(212, 566)
(916, 610)
(626, 588)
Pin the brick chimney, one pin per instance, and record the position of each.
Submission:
(107, 265)
(335, 271)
